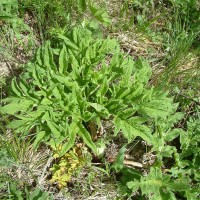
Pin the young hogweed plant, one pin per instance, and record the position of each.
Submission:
(67, 90)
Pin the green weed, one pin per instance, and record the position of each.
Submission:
(67, 92)
(61, 15)
(15, 193)
(180, 179)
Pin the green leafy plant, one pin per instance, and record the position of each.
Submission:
(14, 192)
(9, 14)
(8, 9)
(175, 173)
(37, 193)
(68, 90)
(58, 16)
(157, 185)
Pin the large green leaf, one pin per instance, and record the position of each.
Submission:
(86, 137)
(55, 132)
(48, 56)
(132, 128)
(15, 124)
(40, 135)
(68, 43)
(15, 87)
(14, 107)
(73, 130)
(63, 60)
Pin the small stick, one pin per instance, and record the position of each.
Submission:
(130, 163)
(134, 164)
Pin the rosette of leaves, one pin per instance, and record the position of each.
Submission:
(81, 81)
